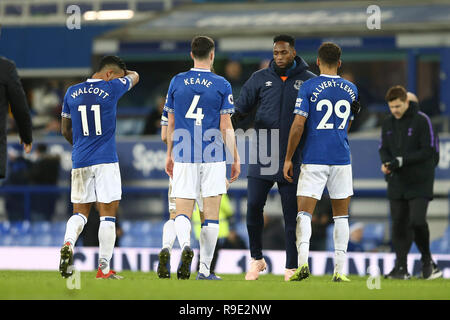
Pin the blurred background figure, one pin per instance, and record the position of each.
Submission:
(46, 103)
(227, 235)
(153, 120)
(356, 236)
(18, 174)
(365, 120)
(44, 171)
(233, 73)
(274, 236)
(321, 219)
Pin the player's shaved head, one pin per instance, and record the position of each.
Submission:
(113, 63)
(201, 47)
(329, 53)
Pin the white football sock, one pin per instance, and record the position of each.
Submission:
(74, 227)
(303, 233)
(106, 239)
(341, 236)
(183, 230)
(208, 241)
(169, 234)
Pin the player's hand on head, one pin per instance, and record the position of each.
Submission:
(288, 170)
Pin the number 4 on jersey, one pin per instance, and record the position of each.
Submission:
(198, 116)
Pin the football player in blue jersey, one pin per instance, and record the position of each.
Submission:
(199, 105)
(323, 117)
(89, 125)
(169, 236)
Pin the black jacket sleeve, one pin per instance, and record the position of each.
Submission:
(425, 150)
(385, 153)
(17, 99)
(248, 97)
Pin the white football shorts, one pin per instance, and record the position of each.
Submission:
(198, 180)
(314, 177)
(97, 183)
(172, 203)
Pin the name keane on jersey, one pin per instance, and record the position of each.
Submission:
(204, 82)
(91, 90)
(332, 84)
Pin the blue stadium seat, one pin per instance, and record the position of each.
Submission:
(441, 245)
(127, 240)
(125, 226)
(140, 228)
(5, 227)
(43, 240)
(24, 240)
(373, 236)
(374, 231)
(58, 227)
(39, 227)
(447, 233)
(20, 228)
(144, 241)
(241, 230)
(330, 241)
(414, 248)
(6, 240)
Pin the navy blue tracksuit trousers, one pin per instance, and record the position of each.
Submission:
(257, 191)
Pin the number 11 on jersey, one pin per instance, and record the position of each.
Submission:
(97, 121)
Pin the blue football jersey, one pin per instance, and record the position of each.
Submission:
(197, 98)
(92, 107)
(326, 103)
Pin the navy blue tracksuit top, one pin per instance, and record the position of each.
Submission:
(275, 101)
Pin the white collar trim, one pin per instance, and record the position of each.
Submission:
(198, 69)
(329, 76)
(93, 80)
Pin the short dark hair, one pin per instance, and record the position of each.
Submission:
(201, 46)
(285, 38)
(329, 53)
(396, 92)
(111, 60)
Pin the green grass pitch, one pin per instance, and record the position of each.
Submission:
(140, 285)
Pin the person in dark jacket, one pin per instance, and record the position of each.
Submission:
(406, 152)
(272, 92)
(12, 95)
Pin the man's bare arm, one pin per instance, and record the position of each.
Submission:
(227, 130)
(164, 134)
(66, 129)
(134, 76)
(295, 134)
